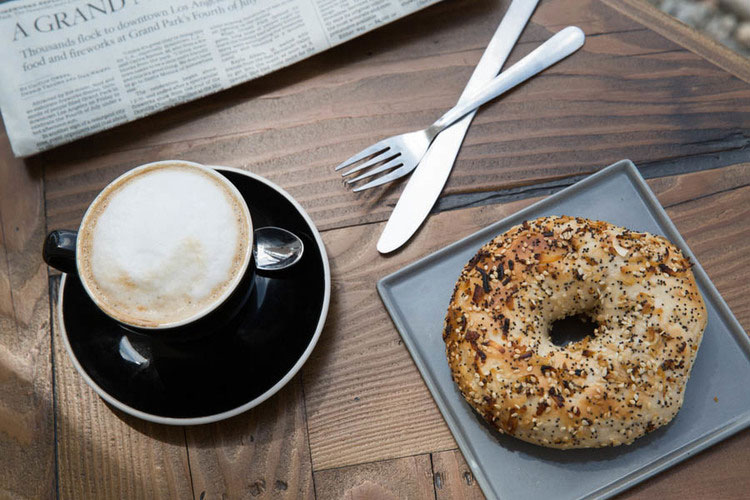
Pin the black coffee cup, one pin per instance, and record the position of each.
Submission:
(62, 250)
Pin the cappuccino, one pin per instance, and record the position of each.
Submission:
(164, 244)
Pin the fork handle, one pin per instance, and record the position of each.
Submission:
(553, 50)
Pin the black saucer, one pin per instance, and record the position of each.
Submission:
(233, 368)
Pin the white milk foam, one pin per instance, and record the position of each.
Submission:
(164, 245)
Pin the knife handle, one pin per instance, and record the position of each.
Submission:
(553, 50)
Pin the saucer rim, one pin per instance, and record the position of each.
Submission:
(255, 401)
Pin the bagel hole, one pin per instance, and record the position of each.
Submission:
(571, 329)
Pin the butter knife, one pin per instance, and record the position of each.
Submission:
(428, 179)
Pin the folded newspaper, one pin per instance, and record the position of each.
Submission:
(70, 68)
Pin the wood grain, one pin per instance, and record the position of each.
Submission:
(453, 478)
(719, 472)
(27, 441)
(688, 37)
(642, 88)
(104, 453)
(674, 190)
(365, 398)
(629, 92)
(409, 477)
(263, 453)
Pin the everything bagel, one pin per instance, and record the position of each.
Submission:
(604, 390)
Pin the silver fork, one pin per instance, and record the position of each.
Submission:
(406, 150)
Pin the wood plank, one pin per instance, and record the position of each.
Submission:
(27, 440)
(685, 177)
(669, 27)
(104, 453)
(719, 472)
(409, 477)
(453, 478)
(677, 189)
(365, 398)
(263, 452)
(630, 92)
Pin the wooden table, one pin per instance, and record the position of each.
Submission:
(358, 422)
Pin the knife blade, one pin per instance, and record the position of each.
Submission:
(429, 178)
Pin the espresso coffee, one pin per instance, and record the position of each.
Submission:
(164, 244)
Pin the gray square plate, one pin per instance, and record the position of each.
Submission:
(417, 297)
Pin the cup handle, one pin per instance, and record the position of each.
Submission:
(59, 250)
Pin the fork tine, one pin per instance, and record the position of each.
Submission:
(384, 156)
(391, 162)
(392, 176)
(377, 148)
